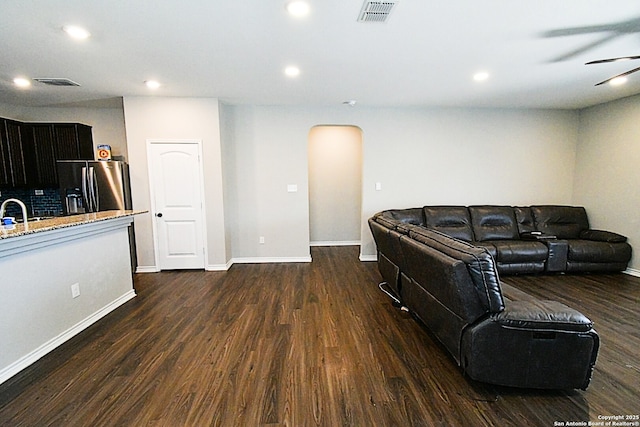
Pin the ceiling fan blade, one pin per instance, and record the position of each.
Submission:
(622, 58)
(619, 75)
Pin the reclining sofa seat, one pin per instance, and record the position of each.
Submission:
(454, 289)
(586, 249)
(494, 228)
(544, 238)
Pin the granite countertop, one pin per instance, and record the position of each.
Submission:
(61, 222)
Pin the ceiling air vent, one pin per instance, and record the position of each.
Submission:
(57, 82)
(376, 11)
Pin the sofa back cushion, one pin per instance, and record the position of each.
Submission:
(447, 283)
(493, 223)
(524, 219)
(406, 216)
(480, 266)
(565, 222)
(453, 221)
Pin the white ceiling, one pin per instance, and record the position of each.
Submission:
(236, 50)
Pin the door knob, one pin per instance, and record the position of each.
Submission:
(159, 214)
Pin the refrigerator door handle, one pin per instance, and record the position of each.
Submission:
(85, 190)
(96, 195)
(92, 190)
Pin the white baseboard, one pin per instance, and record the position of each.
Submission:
(55, 342)
(219, 267)
(147, 269)
(334, 243)
(262, 260)
(368, 258)
(632, 272)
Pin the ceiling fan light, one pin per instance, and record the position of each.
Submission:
(618, 81)
(21, 82)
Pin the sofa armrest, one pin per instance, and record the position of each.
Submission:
(542, 315)
(602, 236)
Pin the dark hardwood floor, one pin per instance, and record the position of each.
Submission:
(304, 345)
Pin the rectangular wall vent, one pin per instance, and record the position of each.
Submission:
(376, 11)
(56, 81)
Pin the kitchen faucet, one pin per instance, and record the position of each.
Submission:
(22, 205)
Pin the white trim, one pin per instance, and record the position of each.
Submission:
(632, 272)
(368, 258)
(219, 267)
(55, 342)
(147, 269)
(263, 260)
(338, 243)
(154, 230)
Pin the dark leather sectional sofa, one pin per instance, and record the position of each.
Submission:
(452, 285)
(526, 239)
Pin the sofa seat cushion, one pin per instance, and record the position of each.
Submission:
(601, 252)
(489, 247)
(542, 315)
(520, 251)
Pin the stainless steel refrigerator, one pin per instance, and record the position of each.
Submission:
(93, 186)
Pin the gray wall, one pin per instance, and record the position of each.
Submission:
(607, 178)
(173, 119)
(420, 156)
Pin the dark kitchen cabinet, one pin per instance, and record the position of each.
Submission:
(73, 141)
(13, 164)
(29, 151)
(5, 167)
(39, 155)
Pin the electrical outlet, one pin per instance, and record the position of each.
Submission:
(75, 290)
(38, 192)
(262, 240)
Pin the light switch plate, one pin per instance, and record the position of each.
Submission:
(292, 188)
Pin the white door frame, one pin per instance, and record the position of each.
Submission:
(152, 206)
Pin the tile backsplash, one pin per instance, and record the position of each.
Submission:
(48, 203)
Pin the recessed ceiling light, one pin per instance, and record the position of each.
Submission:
(481, 76)
(298, 8)
(292, 71)
(22, 82)
(76, 32)
(350, 103)
(618, 81)
(152, 84)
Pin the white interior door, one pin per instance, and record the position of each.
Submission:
(175, 177)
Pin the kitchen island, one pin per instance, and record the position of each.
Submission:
(58, 276)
